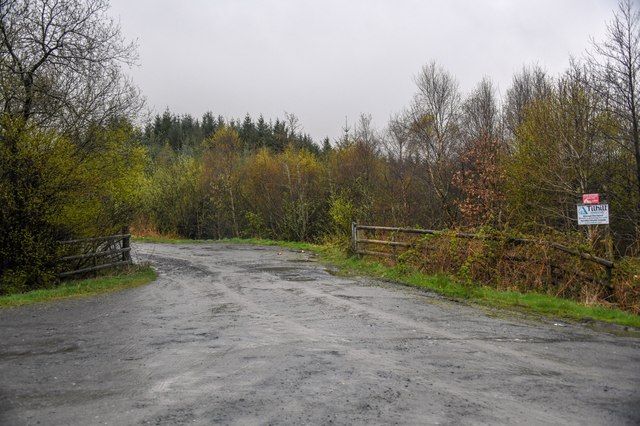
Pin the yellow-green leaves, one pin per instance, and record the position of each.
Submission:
(51, 189)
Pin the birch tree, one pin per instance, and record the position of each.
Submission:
(615, 65)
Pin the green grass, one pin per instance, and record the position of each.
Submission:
(558, 308)
(256, 241)
(532, 303)
(139, 276)
(163, 240)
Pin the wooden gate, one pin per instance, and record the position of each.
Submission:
(396, 240)
(95, 254)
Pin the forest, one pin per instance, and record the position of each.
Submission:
(75, 162)
(448, 161)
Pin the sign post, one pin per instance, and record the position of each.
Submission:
(592, 212)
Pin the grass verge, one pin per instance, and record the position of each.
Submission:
(256, 241)
(136, 277)
(532, 303)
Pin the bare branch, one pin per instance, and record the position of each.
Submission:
(61, 63)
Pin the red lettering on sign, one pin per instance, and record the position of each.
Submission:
(590, 198)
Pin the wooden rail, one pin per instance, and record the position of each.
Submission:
(96, 253)
(358, 242)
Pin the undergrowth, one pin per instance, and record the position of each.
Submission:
(559, 266)
(453, 287)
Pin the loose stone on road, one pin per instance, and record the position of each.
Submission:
(238, 334)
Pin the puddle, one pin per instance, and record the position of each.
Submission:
(43, 351)
(224, 308)
(525, 371)
(286, 273)
(276, 269)
(348, 297)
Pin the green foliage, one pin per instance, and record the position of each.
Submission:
(172, 198)
(285, 193)
(227, 192)
(562, 149)
(342, 212)
(261, 186)
(38, 176)
(504, 261)
(358, 180)
(449, 286)
(186, 135)
(626, 283)
(52, 191)
(219, 183)
(444, 163)
(256, 226)
(295, 245)
(305, 194)
(109, 192)
(70, 163)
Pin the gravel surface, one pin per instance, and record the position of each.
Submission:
(235, 334)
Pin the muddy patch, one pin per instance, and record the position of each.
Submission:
(287, 273)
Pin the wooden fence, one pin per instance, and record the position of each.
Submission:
(360, 245)
(94, 254)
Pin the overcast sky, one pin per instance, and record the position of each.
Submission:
(331, 59)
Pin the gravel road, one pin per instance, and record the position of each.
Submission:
(236, 334)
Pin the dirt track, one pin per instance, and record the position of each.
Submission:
(255, 335)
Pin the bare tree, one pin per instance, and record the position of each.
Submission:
(61, 64)
(397, 142)
(615, 65)
(480, 112)
(434, 128)
(365, 133)
(401, 154)
(531, 84)
(293, 126)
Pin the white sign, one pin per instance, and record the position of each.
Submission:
(593, 214)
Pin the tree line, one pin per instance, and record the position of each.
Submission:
(185, 134)
(72, 163)
(518, 164)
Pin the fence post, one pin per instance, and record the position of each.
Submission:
(126, 244)
(95, 264)
(354, 237)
